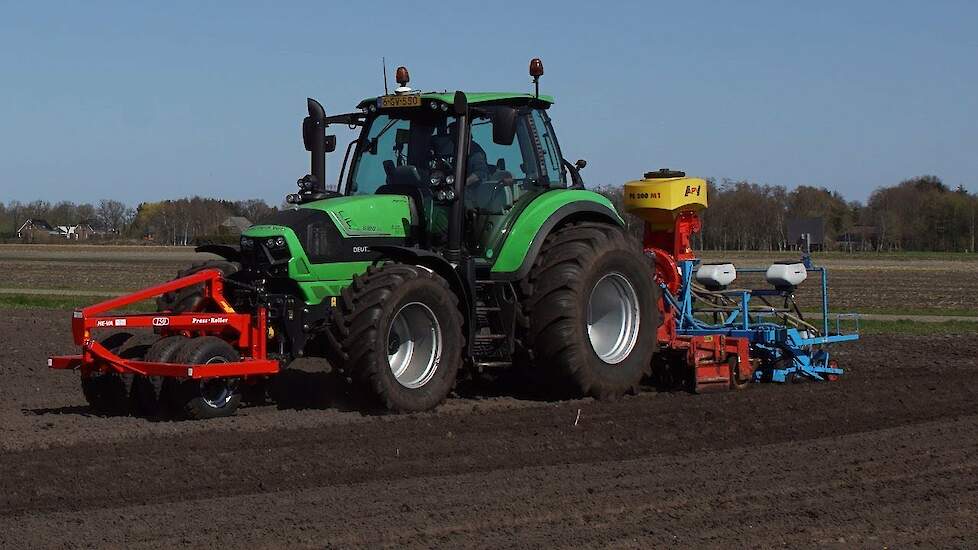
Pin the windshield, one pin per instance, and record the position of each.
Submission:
(417, 147)
(397, 149)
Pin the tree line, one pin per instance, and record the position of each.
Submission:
(920, 213)
(174, 222)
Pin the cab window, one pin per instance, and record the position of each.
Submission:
(551, 154)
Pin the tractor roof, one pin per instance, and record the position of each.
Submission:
(476, 98)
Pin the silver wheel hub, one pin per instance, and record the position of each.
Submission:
(613, 318)
(414, 343)
(216, 392)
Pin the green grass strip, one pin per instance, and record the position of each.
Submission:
(916, 328)
(64, 303)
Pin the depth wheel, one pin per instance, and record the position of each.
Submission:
(198, 399)
(592, 310)
(149, 390)
(110, 393)
(399, 331)
(736, 382)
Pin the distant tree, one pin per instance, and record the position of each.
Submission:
(112, 214)
(63, 213)
(86, 212)
(256, 210)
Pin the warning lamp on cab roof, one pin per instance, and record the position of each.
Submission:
(402, 76)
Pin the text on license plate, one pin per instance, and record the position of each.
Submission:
(395, 101)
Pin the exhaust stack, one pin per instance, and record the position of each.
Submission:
(312, 187)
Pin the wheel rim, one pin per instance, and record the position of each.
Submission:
(414, 345)
(216, 392)
(613, 318)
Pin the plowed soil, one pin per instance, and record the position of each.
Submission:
(886, 457)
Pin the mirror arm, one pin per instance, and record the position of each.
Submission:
(577, 182)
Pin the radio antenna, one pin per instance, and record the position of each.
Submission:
(383, 62)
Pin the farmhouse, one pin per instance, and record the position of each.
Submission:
(36, 230)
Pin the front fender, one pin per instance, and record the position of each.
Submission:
(523, 241)
(229, 253)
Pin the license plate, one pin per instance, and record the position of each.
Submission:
(397, 101)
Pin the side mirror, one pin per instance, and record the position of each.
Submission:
(503, 125)
(580, 164)
(308, 132)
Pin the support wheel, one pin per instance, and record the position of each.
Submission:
(592, 310)
(737, 382)
(399, 333)
(110, 393)
(211, 397)
(149, 390)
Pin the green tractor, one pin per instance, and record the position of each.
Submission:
(458, 237)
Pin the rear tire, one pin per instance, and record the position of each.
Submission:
(191, 298)
(399, 333)
(592, 310)
(197, 399)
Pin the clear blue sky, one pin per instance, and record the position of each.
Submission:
(168, 99)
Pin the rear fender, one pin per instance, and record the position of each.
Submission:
(547, 212)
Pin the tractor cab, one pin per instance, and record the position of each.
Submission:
(479, 156)
(511, 157)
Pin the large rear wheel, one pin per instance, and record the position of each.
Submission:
(399, 333)
(591, 309)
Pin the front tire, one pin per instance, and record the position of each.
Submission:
(592, 312)
(399, 332)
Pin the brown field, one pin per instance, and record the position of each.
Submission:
(934, 284)
(886, 457)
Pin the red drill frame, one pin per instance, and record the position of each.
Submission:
(247, 333)
(709, 357)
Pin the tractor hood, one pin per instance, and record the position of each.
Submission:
(341, 229)
(366, 215)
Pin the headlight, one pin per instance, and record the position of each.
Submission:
(275, 242)
(247, 244)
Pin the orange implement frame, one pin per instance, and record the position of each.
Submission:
(247, 333)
